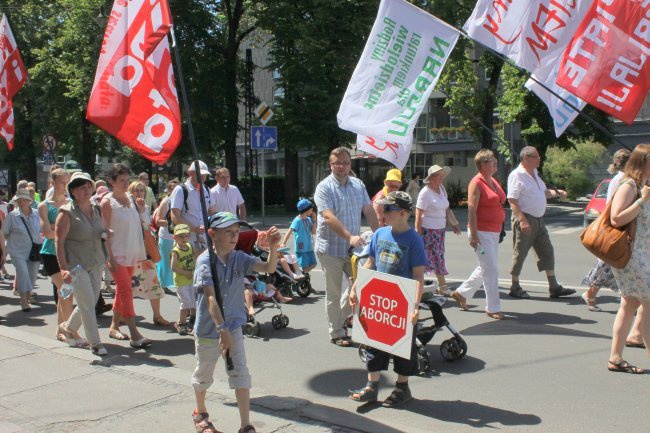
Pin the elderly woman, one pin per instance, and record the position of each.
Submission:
(21, 229)
(48, 211)
(432, 215)
(126, 249)
(631, 202)
(81, 254)
(138, 191)
(393, 182)
(485, 218)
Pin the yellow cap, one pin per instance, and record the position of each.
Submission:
(393, 175)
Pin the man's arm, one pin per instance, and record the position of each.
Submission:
(178, 218)
(242, 211)
(336, 225)
(371, 216)
(516, 211)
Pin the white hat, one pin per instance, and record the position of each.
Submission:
(202, 165)
(434, 169)
(24, 194)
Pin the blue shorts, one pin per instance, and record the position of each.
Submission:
(306, 258)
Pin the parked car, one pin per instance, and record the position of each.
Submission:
(597, 204)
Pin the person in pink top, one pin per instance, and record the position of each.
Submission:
(485, 218)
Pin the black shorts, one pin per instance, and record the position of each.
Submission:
(50, 264)
(377, 360)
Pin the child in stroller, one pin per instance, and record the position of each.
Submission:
(289, 277)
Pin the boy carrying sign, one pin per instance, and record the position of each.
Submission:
(396, 249)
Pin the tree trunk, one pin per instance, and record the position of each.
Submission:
(487, 117)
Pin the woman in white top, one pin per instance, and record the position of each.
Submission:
(432, 214)
(126, 249)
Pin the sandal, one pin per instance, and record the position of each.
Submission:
(248, 429)
(366, 394)
(142, 343)
(342, 341)
(444, 290)
(181, 328)
(634, 344)
(398, 397)
(624, 367)
(117, 335)
(99, 350)
(496, 316)
(462, 302)
(160, 321)
(202, 423)
(591, 303)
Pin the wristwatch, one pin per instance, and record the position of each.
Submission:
(222, 327)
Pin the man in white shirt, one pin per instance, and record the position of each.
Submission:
(186, 205)
(226, 197)
(527, 194)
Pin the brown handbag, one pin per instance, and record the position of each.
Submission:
(610, 244)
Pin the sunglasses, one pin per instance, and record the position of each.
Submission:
(392, 208)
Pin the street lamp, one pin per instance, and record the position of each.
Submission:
(101, 19)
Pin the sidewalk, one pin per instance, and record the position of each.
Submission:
(49, 388)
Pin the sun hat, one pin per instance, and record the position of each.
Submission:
(202, 166)
(181, 229)
(435, 169)
(22, 193)
(101, 192)
(221, 220)
(398, 198)
(77, 179)
(393, 175)
(304, 205)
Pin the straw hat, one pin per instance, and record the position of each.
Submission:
(22, 193)
(77, 179)
(435, 169)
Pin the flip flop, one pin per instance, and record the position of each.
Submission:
(117, 335)
(636, 345)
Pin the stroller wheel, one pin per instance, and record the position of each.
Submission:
(463, 346)
(284, 320)
(276, 321)
(424, 363)
(450, 350)
(363, 353)
(258, 329)
(249, 329)
(303, 289)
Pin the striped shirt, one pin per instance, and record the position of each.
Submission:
(346, 202)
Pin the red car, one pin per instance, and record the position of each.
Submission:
(597, 203)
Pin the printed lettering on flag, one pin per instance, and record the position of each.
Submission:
(395, 153)
(533, 34)
(13, 76)
(399, 67)
(134, 95)
(607, 62)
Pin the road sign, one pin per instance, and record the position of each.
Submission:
(264, 137)
(52, 142)
(48, 159)
(264, 113)
(382, 316)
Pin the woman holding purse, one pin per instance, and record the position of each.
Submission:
(631, 203)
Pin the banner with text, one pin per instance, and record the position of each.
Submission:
(134, 95)
(399, 67)
(606, 63)
(533, 34)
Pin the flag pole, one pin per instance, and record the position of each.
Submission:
(529, 75)
(197, 171)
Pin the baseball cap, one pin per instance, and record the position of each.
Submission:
(221, 220)
(181, 229)
(202, 166)
(398, 198)
(304, 205)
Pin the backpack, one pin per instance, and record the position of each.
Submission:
(168, 216)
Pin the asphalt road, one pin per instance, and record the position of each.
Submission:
(543, 369)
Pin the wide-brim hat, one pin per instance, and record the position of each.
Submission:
(202, 166)
(77, 179)
(435, 169)
(22, 193)
(221, 220)
(400, 199)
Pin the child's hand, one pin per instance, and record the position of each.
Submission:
(273, 236)
(353, 298)
(415, 316)
(225, 341)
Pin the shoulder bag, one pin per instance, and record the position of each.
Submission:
(35, 251)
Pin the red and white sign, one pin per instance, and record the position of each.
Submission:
(134, 96)
(382, 318)
(12, 78)
(607, 62)
(533, 34)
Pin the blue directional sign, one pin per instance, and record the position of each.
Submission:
(264, 137)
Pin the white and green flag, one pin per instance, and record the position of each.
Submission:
(399, 67)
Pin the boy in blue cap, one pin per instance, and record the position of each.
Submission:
(304, 227)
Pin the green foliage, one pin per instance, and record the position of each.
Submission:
(456, 193)
(569, 168)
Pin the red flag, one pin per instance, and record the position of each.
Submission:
(608, 61)
(134, 96)
(12, 78)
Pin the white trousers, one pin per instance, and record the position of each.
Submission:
(486, 273)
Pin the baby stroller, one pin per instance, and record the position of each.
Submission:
(280, 279)
(451, 349)
(261, 299)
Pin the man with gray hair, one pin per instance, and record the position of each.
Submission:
(527, 194)
(340, 199)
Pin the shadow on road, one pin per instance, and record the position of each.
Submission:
(127, 356)
(534, 323)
